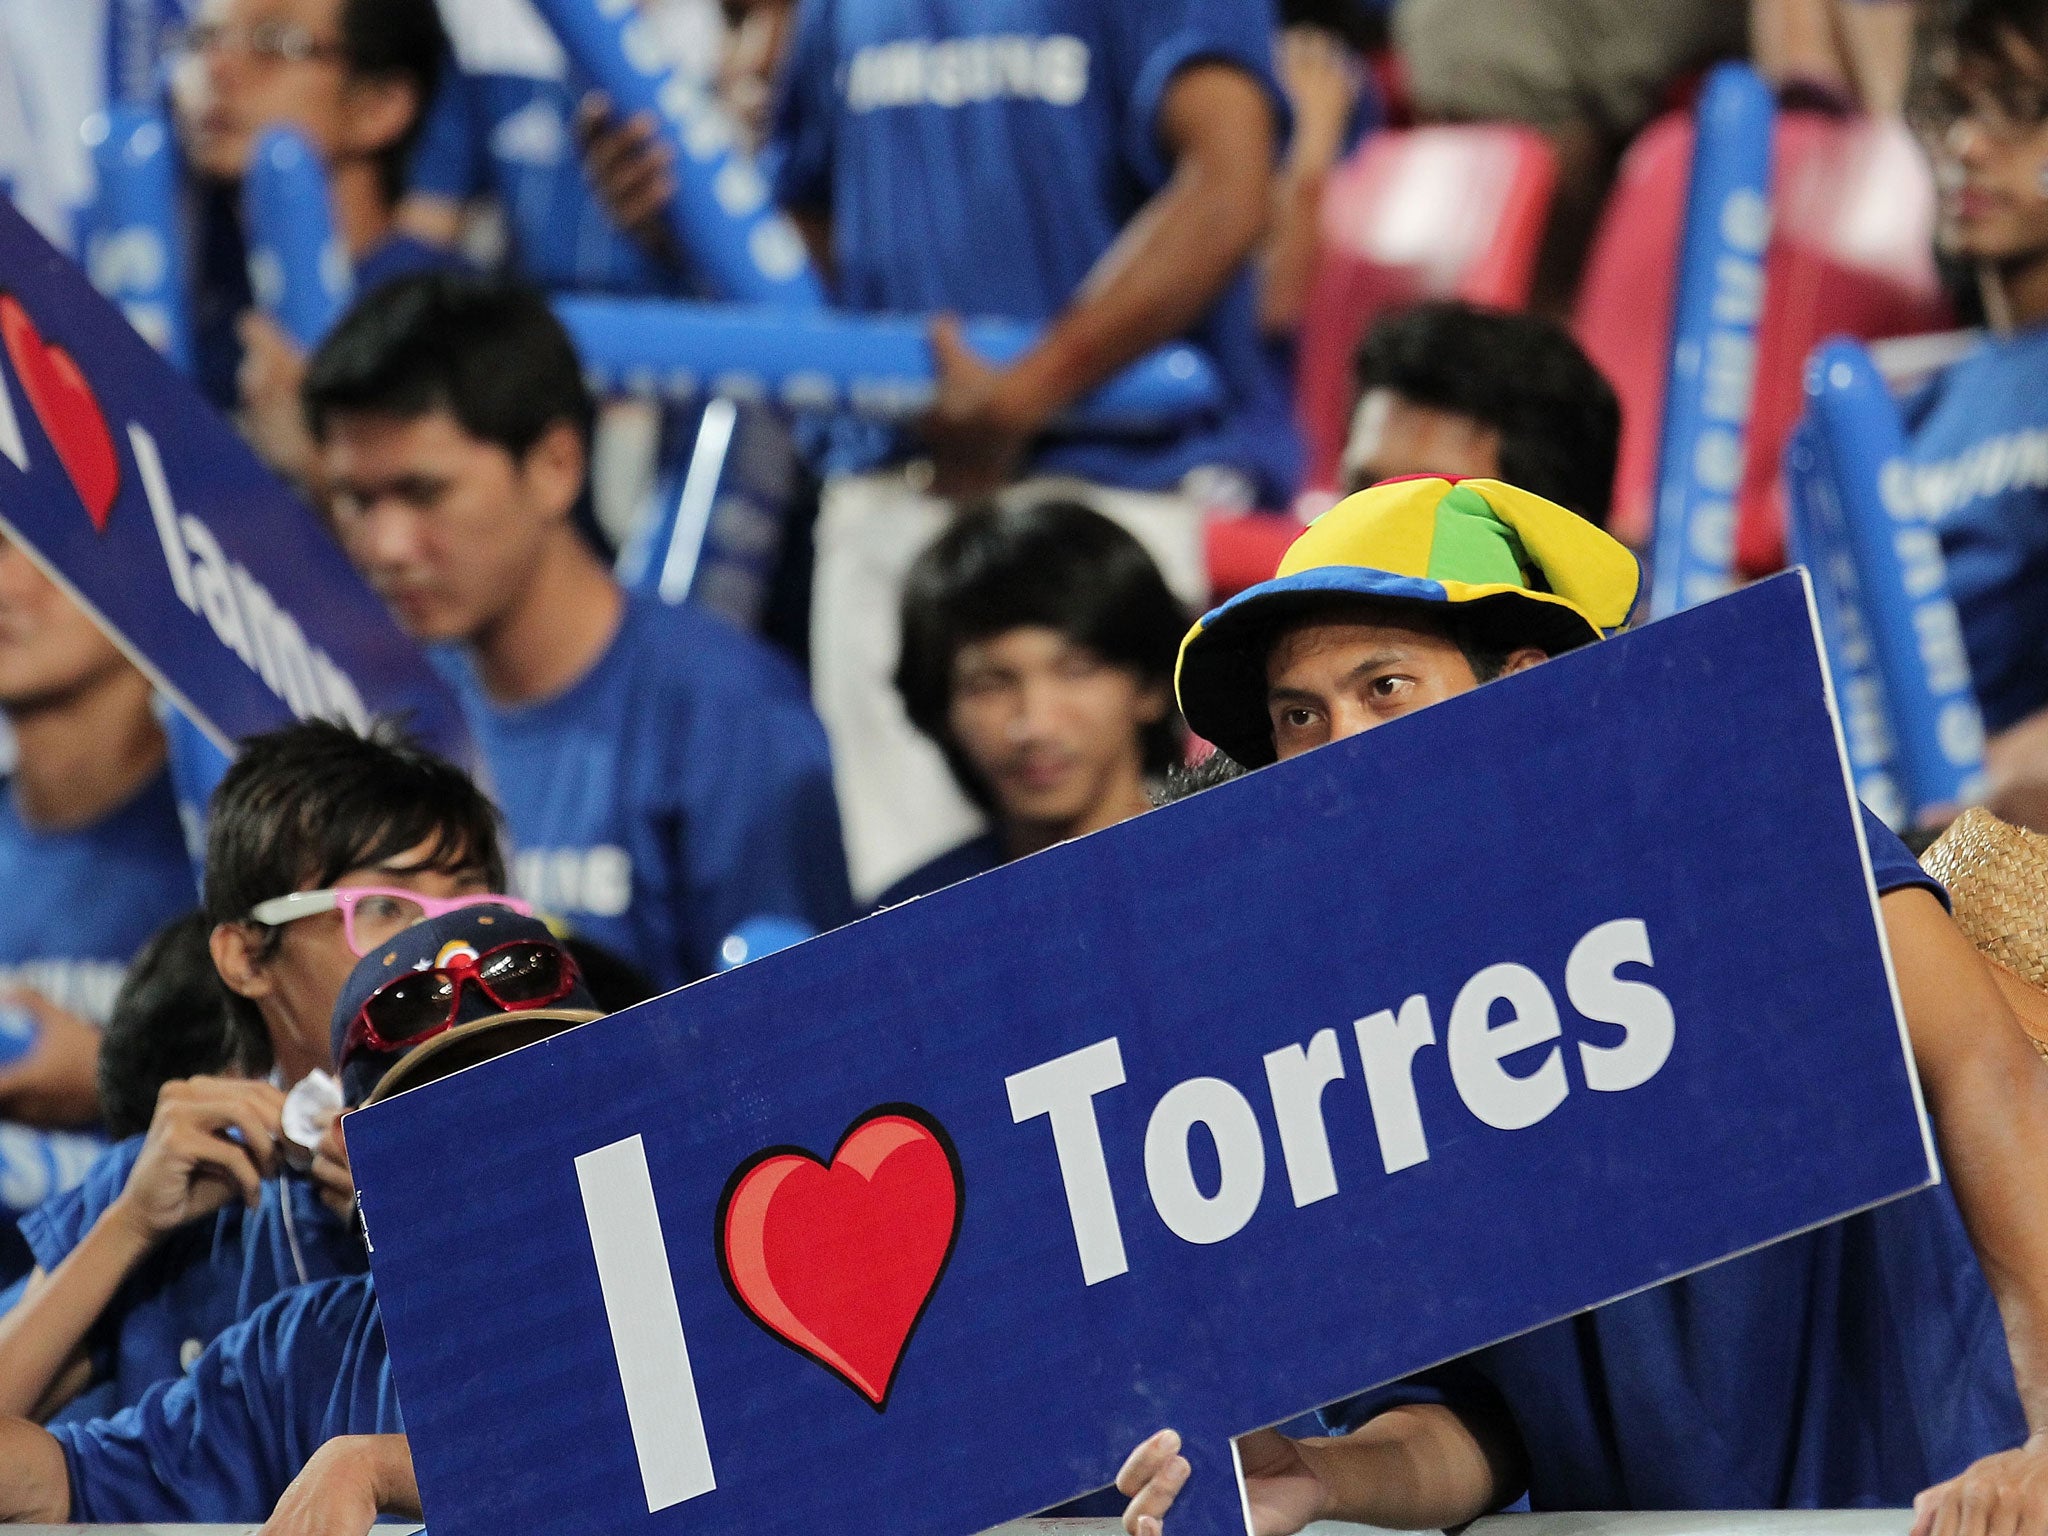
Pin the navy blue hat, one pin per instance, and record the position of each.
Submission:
(482, 1028)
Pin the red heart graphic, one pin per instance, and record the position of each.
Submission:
(839, 1262)
(69, 411)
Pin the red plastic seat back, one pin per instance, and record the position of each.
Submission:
(1417, 213)
(1851, 255)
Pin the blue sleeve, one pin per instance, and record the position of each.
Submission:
(448, 160)
(759, 823)
(1154, 40)
(55, 1227)
(1892, 867)
(221, 1443)
(799, 152)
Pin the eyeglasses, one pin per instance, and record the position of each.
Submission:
(419, 1005)
(2006, 112)
(267, 42)
(372, 914)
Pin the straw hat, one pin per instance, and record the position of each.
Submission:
(1997, 879)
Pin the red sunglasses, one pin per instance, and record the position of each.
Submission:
(408, 1009)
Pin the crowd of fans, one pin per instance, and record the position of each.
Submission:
(970, 655)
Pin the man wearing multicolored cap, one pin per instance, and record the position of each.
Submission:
(1868, 1363)
(296, 1403)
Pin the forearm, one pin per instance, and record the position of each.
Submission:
(44, 1332)
(389, 1460)
(35, 1485)
(1419, 1467)
(1172, 260)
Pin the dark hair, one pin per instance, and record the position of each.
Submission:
(1980, 26)
(1055, 564)
(1523, 376)
(397, 40)
(489, 352)
(169, 1022)
(304, 805)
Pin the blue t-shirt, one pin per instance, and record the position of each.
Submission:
(221, 1443)
(979, 156)
(1850, 1367)
(199, 1281)
(98, 894)
(511, 137)
(679, 788)
(976, 856)
(1980, 469)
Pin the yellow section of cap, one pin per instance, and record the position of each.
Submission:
(1387, 527)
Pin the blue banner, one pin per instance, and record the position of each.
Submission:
(299, 271)
(872, 365)
(1713, 341)
(1917, 638)
(138, 499)
(1816, 538)
(134, 240)
(1379, 1055)
(739, 243)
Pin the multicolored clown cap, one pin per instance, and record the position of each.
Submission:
(1514, 569)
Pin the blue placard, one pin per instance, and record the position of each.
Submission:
(1712, 380)
(133, 493)
(1379, 1055)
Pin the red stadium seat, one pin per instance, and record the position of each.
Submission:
(1417, 213)
(1851, 256)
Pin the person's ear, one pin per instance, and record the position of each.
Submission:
(1523, 659)
(1155, 703)
(235, 958)
(380, 112)
(554, 469)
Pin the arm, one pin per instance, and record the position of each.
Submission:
(346, 1485)
(1416, 1467)
(1987, 1094)
(35, 1484)
(187, 1169)
(1323, 90)
(2016, 766)
(56, 1085)
(1159, 277)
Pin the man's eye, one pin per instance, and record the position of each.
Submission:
(1297, 718)
(1388, 687)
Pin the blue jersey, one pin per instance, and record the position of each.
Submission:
(678, 789)
(1850, 1367)
(99, 893)
(979, 156)
(976, 856)
(199, 1281)
(1980, 469)
(222, 1443)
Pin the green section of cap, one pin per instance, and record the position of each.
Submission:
(1471, 544)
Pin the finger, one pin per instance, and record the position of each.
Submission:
(1157, 1496)
(230, 1161)
(1151, 1454)
(949, 350)
(1925, 1505)
(593, 112)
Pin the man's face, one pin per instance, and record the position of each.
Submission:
(305, 971)
(1054, 731)
(1985, 124)
(258, 62)
(1392, 436)
(447, 527)
(49, 649)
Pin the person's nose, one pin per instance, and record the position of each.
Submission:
(1037, 708)
(1349, 717)
(389, 537)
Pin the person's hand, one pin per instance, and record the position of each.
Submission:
(1323, 86)
(631, 169)
(56, 1085)
(2001, 1495)
(980, 421)
(330, 1172)
(273, 419)
(343, 1487)
(190, 1166)
(1281, 1488)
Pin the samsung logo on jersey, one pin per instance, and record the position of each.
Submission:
(2016, 461)
(597, 881)
(959, 71)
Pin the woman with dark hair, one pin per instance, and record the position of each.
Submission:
(1038, 651)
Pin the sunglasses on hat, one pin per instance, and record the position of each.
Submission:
(414, 1007)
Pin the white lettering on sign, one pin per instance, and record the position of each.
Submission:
(1503, 1012)
(12, 447)
(238, 608)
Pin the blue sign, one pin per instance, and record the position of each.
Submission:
(1379, 1055)
(132, 492)
(1713, 341)
(1861, 489)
